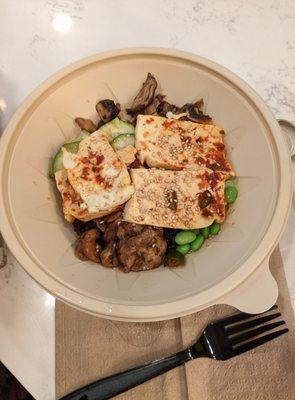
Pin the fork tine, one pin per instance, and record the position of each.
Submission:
(254, 332)
(238, 317)
(250, 324)
(258, 342)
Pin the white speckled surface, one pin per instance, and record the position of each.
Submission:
(256, 40)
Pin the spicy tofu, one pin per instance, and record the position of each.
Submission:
(127, 155)
(97, 175)
(72, 204)
(176, 199)
(175, 144)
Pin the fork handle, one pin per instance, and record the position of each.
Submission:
(115, 384)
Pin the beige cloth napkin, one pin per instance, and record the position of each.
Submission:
(88, 348)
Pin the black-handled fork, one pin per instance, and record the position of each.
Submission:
(221, 340)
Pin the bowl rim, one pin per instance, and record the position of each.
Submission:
(182, 306)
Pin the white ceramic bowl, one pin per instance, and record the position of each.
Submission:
(231, 269)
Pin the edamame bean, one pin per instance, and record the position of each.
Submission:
(185, 237)
(184, 249)
(205, 232)
(229, 183)
(214, 228)
(197, 243)
(196, 231)
(231, 194)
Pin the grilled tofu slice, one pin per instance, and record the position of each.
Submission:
(72, 204)
(97, 175)
(184, 199)
(174, 144)
(127, 155)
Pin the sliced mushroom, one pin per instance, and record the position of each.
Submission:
(174, 259)
(81, 227)
(86, 124)
(124, 116)
(79, 250)
(107, 109)
(109, 256)
(195, 115)
(103, 222)
(114, 217)
(126, 230)
(87, 248)
(152, 108)
(169, 235)
(165, 107)
(194, 112)
(200, 104)
(186, 106)
(145, 96)
(143, 250)
(110, 233)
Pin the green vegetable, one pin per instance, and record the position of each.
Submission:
(174, 259)
(184, 249)
(205, 232)
(231, 194)
(57, 162)
(229, 183)
(197, 243)
(214, 228)
(117, 127)
(122, 141)
(205, 198)
(171, 197)
(185, 237)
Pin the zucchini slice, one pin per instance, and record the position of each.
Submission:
(117, 127)
(120, 135)
(122, 141)
(57, 162)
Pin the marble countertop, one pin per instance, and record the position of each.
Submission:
(256, 40)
